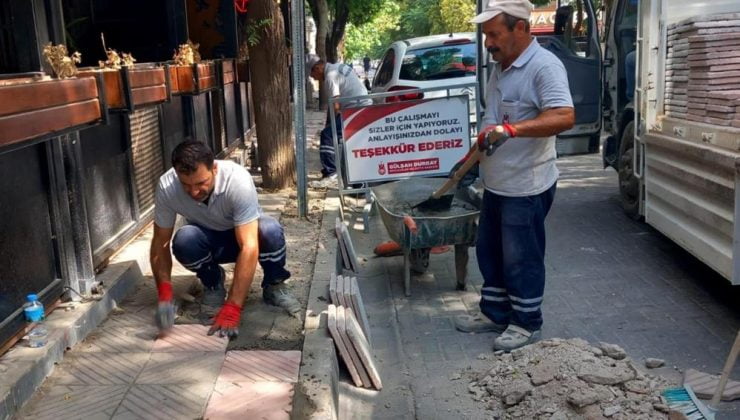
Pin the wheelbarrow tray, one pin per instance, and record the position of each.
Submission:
(453, 226)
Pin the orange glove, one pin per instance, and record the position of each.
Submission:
(227, 320)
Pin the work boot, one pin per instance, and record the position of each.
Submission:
(515, 337)
(279, 295)
(477, 324)
(327, 182)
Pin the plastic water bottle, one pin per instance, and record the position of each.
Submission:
(34, 311)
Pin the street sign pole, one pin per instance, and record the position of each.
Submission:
(299, 100)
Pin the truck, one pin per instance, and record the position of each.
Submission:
(671, 121)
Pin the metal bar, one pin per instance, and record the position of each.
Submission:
(61, 218)
(344, 99)
(127, 93)
(481, 63)
(74, 171)
(299, 101)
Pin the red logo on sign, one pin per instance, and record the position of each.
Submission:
(418, 165)
(381, 168)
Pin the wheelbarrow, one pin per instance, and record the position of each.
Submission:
(417, 231)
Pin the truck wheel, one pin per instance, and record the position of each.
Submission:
(594, 143)
(629, 186)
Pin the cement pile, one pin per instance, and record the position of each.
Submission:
(561, 379)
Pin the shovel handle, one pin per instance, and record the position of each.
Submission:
(473, 157)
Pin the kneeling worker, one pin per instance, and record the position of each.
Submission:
(224, 225)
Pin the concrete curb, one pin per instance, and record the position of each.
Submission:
(23, 369)
(317, 391)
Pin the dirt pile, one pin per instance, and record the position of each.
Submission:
(569, 379)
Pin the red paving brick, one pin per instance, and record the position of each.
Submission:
(261, 366)
(250, 400)
(255, 384)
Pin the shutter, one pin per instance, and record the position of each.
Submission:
(146, 148)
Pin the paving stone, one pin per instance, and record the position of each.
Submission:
(344, 352)
(190, 338)
(364, 351)
(341, 245)
(260, 366)
(346, 295)
(119, 340)
(100, 368)
(181, 368)
(75, 402)
(333, 289)
(704, 385)
(340, 292)
(359, 308)
(163, 402)
(251, 400)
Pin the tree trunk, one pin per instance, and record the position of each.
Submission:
(270, 86)
(341, 17)
(320, 12)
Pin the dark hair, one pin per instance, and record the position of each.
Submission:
(510, 22)
(189, 154)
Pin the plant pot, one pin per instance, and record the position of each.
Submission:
(129, 88)
(228, 72)
(34, 109)
(194, 79)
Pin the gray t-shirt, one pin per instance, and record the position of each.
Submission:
(232, 203)
(341, 80)
(535, 82)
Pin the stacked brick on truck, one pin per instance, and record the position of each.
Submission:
(675, 138)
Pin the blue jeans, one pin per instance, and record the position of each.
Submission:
(327, 154)
(511, 257)
(201, 250)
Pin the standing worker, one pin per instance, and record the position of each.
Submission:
(224, 224)
(527, 100)
(341, 80)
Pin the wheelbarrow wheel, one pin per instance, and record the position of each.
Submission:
(419, 259)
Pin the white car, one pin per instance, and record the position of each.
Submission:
(428, 62)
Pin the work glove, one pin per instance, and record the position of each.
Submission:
(493, 136)
(226, 322)
(165, 317)
(469, 178)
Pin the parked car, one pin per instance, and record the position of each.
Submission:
(428, 62)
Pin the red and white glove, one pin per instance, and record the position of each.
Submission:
(226, 322)
(165, 317)
(492, 134)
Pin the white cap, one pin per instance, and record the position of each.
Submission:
(517, 8)
(311, 61)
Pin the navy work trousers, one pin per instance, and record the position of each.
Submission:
(511, 257)
(201, 250)
(327, 154)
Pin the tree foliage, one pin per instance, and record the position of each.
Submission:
(409, 19)
(374, 36)
(454, 15)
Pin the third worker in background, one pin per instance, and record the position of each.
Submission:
(528, 103)
(340, 81)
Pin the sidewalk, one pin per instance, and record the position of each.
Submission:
(123, 371)
(609, 279)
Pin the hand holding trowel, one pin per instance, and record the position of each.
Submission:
(489, 140)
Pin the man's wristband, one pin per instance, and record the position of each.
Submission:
(164, 291)
(510, 130)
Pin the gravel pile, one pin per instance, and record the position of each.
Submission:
(561, 379)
